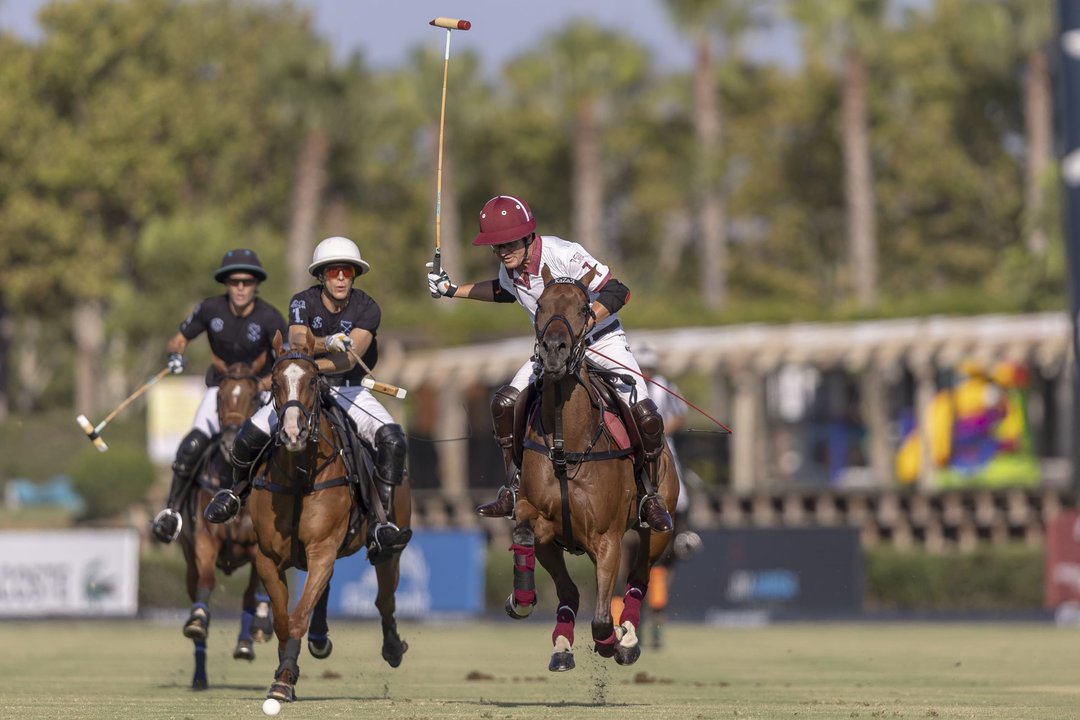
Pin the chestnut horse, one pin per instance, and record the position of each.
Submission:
(224, 547)
(577, 487)
(303, 511)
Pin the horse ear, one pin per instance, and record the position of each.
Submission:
(587, 279)
(260, 361)
(218, 363)
(309, 340)
(545, 273)
(277, 343)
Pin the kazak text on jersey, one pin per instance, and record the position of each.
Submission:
(234, 339)
(361, 311)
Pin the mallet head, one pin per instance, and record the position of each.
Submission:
(91, 433)
(451, 23)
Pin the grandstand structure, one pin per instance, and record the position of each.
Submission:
(791, 393)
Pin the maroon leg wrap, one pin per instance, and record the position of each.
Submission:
(524, 577)
(564, 623)
(632, 603)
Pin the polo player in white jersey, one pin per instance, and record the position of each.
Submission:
(508, 227)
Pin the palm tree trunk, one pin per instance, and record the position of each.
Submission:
(859, 182)
(88, 326)
(1038, 131)
(711, 211)
(310, 181)
(589, 184)
(7, 326)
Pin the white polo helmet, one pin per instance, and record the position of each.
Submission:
(334, 251)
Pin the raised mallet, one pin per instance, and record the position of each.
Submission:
(93, 431)
(450, 24)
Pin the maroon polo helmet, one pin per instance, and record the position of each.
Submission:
(504, 219)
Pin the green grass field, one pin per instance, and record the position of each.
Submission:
(498, 669)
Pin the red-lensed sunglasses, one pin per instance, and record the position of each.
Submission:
(347, 272)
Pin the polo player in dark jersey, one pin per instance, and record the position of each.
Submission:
(240, 327)
(344, 320)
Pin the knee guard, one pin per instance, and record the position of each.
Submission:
(390, 453)
(191, 449)
(650, 427)
(502, 415)
(247, 447)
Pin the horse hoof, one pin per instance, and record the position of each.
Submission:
(282, 692)
(627, 655)
(320, 649)
(195, 629)
(604, 651)
(199, 683)
(561, 661)
(393, 652)
(244, 651)
(515, 611)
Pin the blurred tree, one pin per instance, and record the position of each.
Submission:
(587, 75)
(716, 27)
(843, 31)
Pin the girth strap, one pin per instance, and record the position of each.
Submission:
(262, 483)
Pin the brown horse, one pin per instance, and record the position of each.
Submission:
(577, 487)
(304, 518)
(207, 546)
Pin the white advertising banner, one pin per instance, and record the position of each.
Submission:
(69, 572)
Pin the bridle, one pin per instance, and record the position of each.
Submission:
(224, 416)
(577, 350)
(310, 416)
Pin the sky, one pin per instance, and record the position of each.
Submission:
(386, 30)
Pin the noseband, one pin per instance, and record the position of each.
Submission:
(311, 417)
(577, 351)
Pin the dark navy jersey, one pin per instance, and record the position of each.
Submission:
(307, 308)
(235, 339)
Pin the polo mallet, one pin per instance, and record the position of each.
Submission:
(450, 24)
(93, 431)
(372, 384)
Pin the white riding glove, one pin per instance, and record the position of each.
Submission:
(176, 363)
(439, 284)
(338, 342)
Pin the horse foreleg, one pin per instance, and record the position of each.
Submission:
(197, 626)
(276, 587)
(522, 600)
(245, 641)
(562, 637)
(393, 647)
(607, 555)
(318, 640)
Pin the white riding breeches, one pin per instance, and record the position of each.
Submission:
(367, 412)
(610, 352)
(206, 417)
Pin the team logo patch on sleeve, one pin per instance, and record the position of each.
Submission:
(316, 322)
(217, 324)
(254, 332)
(346, 326)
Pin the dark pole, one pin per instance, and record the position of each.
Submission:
(1068, 116)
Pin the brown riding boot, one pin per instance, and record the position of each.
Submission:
(652, 511)
(504, 502)
(502, 420)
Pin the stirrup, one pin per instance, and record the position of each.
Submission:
(642, 523)
(376, 552)
(485, 509)
(155, 525)
(223, 507)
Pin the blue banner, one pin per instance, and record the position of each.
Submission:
(442, 575)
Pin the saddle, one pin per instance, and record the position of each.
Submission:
(618, 418)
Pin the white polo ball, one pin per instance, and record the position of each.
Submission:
(271, 707)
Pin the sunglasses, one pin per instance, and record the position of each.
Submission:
(507, 248)
(347, 272)
(241, 282)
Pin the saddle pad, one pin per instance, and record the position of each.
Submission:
(612, 422)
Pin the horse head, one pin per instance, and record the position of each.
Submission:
(238, 397)
(564, 315)
(295, 391)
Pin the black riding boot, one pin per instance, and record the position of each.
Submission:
(652, 512)
(247, 447)
(166, 525)
(502, 419)
(385, 539)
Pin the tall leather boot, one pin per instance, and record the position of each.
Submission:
(166, 525)
(652, 512)
(502, 419)
(226, 503)
(385, 539)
